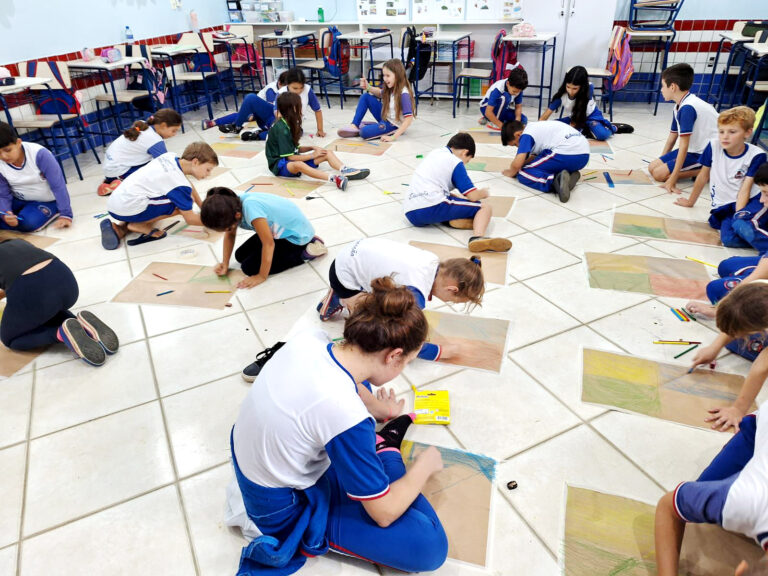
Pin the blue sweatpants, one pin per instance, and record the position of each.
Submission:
(33, 216)
(416, 542)
(721, 218)
(506, 115)
(750, 225)
(540, 173)
(369, 103)
(735, 454)
(601, 128)
(254, 107)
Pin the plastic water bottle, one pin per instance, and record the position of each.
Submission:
(320, 14)
(128, 34)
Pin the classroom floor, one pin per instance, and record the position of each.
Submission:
(123, 469)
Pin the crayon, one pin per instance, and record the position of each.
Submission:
(158, 275)
(590, 178)
(701, 262)
(686, 351)
(164, 293)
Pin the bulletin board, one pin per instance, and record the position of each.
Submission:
(384, 10)
(443, 10)
(494, 9)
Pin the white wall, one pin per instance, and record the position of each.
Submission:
(38, 28)
(711, 10)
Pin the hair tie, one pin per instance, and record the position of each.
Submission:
(150, 119)
(476, 260)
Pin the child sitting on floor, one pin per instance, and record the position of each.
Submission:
(430, 199)
(33, 190)
(391, 105)
(296, 83)
(694, 121)
(284, 237)
(503, 101)
(286, 158)
(549, 156)
(137, 147)
(155, 192)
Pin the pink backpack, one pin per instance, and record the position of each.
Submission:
(619, 59)
(503, 56)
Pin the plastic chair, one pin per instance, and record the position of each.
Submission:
(469, 74)
(604, 75)
(653, 14)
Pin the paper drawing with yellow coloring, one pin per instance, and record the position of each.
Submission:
(236, 150)
(661, 228)
(613, 535)
(474, 341)
(461, 495)
(655, 389)
(359, 147)
(285, 187)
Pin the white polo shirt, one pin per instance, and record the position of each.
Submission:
(124, 154)
(727, 173)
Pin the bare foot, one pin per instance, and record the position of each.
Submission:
(120, 229)
(139, 227)
(700, 309)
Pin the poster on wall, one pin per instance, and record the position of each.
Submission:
(438, 10)
(494, 9)
(383, 10)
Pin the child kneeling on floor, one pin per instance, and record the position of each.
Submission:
(33, 190)
(155, 192)
(286, 158)
(430, 199)
(284, 236)
(549, 156)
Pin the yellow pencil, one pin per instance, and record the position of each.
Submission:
(593, 172)
(701, 262)
(218, 291)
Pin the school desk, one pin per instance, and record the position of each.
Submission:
(369, 39)
(542, 41)
(736, 40)
(454, 38)
(243, 80)
(22, 83)
(286, 40)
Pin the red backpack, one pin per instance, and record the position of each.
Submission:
(503, 57)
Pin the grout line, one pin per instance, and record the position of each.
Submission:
(22, 511)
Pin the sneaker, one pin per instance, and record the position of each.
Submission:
(99, 331)
(105, 189)
(485, 244)
(482, 121)
(562, 185)
(462, 223)
(329, 306)
(623, 128)
(341, 182)
(252, 370)
(355, 173)
(393, 432)
(230, 129)
(350, 131)
(249, 135)
(206, 124)
(74, 336)
(314, 250)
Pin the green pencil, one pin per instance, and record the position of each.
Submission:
(590, 178)
(687, 350)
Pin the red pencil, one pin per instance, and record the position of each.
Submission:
(158, 275)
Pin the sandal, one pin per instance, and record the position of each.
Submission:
(109, 238)
(144, 238)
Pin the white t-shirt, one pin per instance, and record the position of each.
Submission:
(406, 107)
(28, 182)
(291, 412)
(727, 173)
(159, 182)
(567, 103)
(372, 258)
(269, 92)
(309, 101)
(558, 137)
(432, 181)
(697, 118)
(124, 154)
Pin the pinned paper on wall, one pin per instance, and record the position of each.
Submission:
(170, 283)
(662, 228)
(489, 163)
(429, 10)
(285, 187)
(235, 150)
(656, 389)
(383, 10)
(647, 275)
(359, 147)
(493, 264)
(36, 240)
(477, 342)
(461, 496)
(609, 534)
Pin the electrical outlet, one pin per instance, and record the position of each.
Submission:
(711, 62)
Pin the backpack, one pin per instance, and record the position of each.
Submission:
(337, 59)
(425, 56)
(145, 78)
(244, 53)
(503, 57)
(56, 100)
(619, 59)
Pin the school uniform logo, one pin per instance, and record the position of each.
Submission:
(731, 284)
(741, 173)
(45, 211)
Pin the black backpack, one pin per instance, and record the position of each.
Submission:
(425, 55)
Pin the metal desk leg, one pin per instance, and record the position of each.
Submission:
(552, 68)
(714, 69)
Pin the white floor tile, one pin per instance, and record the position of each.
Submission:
(12, 462)
(534, 213)
(273, 322)
(289, 284)
(532, 256)
(15, 398)
(379, 219)
(8, 561)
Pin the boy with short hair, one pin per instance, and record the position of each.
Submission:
(549, 155)
(33, 190)
(694, 121)
(730, 164)
(503, 101)
(430, 199)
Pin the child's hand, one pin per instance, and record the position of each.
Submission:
(482, 193)
(320, 134)
(431, 459)
(671, 187)
(11, 220)
(724, 418)
(363, 84)
(508, 173)
(388, 138)
(705, 355)
(251, 281)
(62, 223)
(221, 269)
(391, 407)
(687, 202)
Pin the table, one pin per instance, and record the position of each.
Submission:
(444, 37)
(291, 36)
(22, 83)
(370, 38)
(735, 39)
(234, 39)
(543, 41)
(758, 59)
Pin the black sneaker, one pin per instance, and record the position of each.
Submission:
(562, 185)
(623, 128)
(252, 370)
(230, 128)
(250, 135)
(393, 433)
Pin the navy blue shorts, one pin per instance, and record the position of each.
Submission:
(691, 161)
(449, 209)
(282, 168)
(152, 212)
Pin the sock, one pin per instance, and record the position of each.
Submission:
(391, 436)
(343, 167)
(59, 337)
(332, 178)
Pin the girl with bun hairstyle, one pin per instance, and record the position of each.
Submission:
(313, 472)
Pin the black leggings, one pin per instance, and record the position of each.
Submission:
(341, 291)
(38, 304)
(287, 255)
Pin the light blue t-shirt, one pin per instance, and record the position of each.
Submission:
(283, 216)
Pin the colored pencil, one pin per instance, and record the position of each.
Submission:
(604, 160)
(419, 155)
(164, 293)
(446, 134)
(9, 214)
(701, 262)
(101, 215)
(249, 188)
(609, 180)
(218, 291)
(629, 173)
(678, 315)
(171, 225)
(590, 178)
(646, 161)
(684, 352)
(690, 316)
(593, 172)
(404, 184)
(678, 342)
(311, 197)
(161, 277)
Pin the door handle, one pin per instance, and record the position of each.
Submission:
(562, 8)
(573, 7)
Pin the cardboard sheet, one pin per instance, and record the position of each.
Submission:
(285, 187)
(494, 264)
(618, 177)
(485, 136)
(656, 389)
(37, 240)
(461, 496)
(647, 275)
(607, 534)
(371, 148)
(661, 228)
(238, 149)
(489, 163)
(189, 283)
(189, 231)
(479, 342)
(215, 173)
(600, 147)
(501, 205)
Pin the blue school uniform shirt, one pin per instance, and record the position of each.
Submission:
(432, 181)
(284, 218)
(499, 99)
(727, 173)
(695, 118)
(308, 99)
(738, 503)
